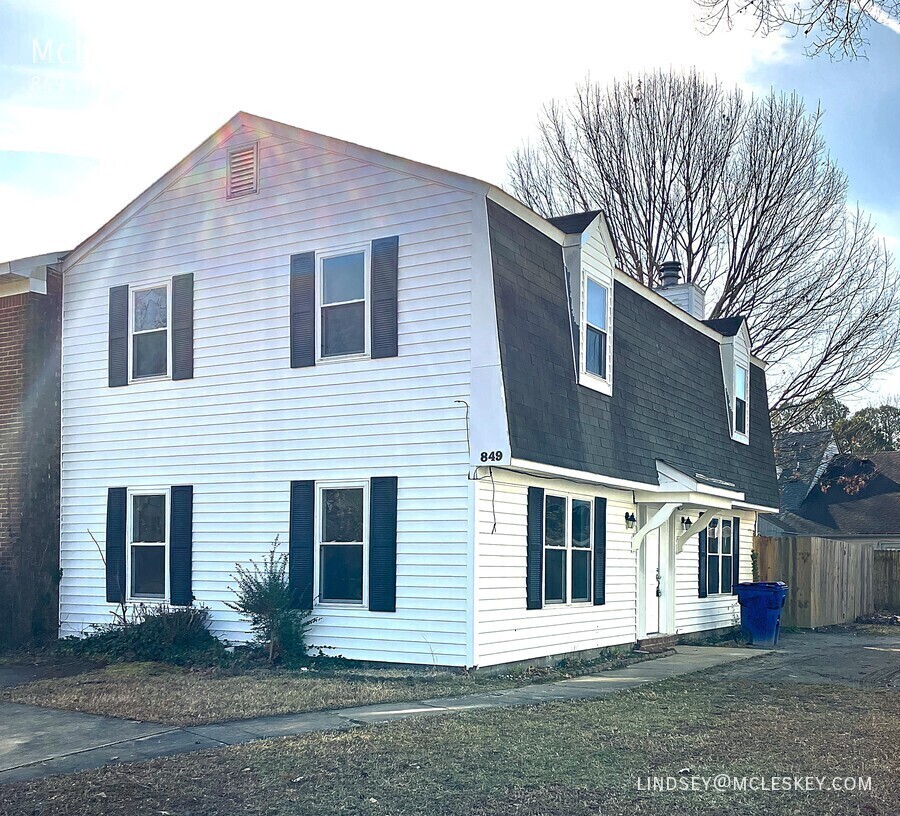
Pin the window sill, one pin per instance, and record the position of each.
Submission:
(342, 358)
(159, 378)
(341, 604)
(744, 439)
(595, 383)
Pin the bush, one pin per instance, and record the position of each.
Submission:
(264, 598)
(144, 632)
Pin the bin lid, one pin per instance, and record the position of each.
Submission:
(765, 586)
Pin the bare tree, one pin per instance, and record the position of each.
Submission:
(836, 27)
(742, 191)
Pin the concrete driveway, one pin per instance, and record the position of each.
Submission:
(835, 657)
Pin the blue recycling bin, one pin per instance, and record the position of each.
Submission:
(761, 604)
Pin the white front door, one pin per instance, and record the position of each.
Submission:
(652, 582)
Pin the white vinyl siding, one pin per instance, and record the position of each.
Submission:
(696, 614)
(505, 630)
(247, 423)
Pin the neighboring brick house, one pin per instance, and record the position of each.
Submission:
(30, 312)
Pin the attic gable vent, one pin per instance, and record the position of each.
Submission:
(243, 170)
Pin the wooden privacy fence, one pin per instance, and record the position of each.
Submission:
(887, 580)
(830, 581)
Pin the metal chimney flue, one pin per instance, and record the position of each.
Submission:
(670, 272)
(687, 296)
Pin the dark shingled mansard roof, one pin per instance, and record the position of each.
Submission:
(668, 400)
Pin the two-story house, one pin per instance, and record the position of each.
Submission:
(479, 441)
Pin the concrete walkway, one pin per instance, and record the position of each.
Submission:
(37, 742)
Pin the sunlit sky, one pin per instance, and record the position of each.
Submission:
(98, 99)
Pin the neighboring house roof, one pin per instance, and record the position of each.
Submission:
(727, 326)
(668, 401)
(872, 511)
(574, 223)
(801, 458)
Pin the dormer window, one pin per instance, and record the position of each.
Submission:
(741, 376)
(595, 329)
(595, 361)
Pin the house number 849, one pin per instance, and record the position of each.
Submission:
(491, 456)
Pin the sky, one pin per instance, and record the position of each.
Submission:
(98, 99)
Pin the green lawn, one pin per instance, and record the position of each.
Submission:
(559, 759)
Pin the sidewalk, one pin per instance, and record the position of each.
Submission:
(37, 742)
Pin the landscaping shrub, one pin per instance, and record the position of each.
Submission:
(264, 598)
(153, 632)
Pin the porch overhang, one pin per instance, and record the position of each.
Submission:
(703, 497)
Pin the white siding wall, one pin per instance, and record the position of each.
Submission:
(696, 614)
(247, 424)
(505, 630)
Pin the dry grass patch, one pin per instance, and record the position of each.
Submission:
(558, 759)
(156, 692)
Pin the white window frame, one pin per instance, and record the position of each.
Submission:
(132, 291)
(319, 521)
(568, 549)
(587, 378)
(354, 249)
(721, 520)
(129, 543)
(741, 436)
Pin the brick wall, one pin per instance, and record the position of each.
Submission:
(29, 463)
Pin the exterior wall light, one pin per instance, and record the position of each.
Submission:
(630, 521)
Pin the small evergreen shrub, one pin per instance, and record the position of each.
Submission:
(170, 634)
(264, 598)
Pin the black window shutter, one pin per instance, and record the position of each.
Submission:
(183, 327)
(300, 543)
(303, 310)
(180, 545)
(385, 254)
(702, 570)
(118, 336)
(383, 544)
(599, 551)
(116, 512)
(534, 567)
(735, 554)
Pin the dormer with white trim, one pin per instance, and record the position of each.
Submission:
(589, 257)
(735, 352)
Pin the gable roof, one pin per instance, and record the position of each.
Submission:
(270, 126)
(574, 223)
(668, 402)
(727, 326)
(800, 459)
(872, 511)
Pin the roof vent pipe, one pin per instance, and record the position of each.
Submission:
(670, 271)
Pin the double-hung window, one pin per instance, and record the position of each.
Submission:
(148, 546)
(150, 332)
(719, 556)
(596, 315)
(740, 400)
(343, 304)
(342, 525)
(567, 550)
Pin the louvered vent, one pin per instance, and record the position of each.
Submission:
(243, 170)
